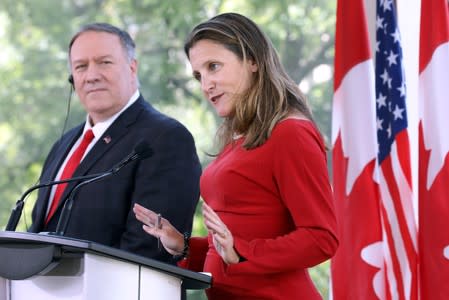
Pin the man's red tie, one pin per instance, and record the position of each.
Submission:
(70, 167)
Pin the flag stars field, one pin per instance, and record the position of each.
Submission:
(381, 101)
(392, 58)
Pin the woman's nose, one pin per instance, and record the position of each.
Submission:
(207, 84)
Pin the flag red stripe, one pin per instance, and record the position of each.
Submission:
(403, 145)
(398, 209)
(401, 213)
(394, 259)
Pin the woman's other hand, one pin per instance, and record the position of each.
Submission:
(222, 238)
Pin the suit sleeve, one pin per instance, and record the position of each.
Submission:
(167, 183)
(300, 172)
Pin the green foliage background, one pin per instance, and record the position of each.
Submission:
(34, 36)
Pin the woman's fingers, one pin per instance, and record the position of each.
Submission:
(144, 215)
(151, 230)
(215, 228)
(211, 217)
(210, 212)
(215, 225)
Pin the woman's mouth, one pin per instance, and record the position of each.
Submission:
(215, 98)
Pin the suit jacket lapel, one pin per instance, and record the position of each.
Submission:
(66, 143)
(112, 135)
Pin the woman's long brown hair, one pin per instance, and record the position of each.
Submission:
(272, 96)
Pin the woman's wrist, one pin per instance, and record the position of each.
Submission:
(235, 257)
(184, 251)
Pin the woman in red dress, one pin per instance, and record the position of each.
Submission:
(267, 196)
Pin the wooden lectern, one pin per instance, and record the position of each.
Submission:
(47, 267)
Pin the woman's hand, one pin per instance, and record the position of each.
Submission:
(222, 237)
(171, 239)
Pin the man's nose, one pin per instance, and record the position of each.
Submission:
(92, 73)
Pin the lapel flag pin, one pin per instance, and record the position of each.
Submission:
(107, 139)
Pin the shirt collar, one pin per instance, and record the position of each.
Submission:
(100, 128)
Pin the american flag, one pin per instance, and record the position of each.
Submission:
(434, 150)
(398, 224)
(377, 257)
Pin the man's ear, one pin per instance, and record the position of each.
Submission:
(70, 80)
(133, 66)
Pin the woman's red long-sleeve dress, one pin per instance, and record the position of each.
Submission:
(276, 200)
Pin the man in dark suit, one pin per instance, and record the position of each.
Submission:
(104, 75)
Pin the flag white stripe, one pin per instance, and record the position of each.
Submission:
(391, 278)
(406, 195)
(398, 242)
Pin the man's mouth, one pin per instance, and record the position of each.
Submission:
(95, 90)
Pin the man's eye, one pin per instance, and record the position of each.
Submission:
(80, 67)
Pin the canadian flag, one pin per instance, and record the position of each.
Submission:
(433, 150)
(356, 269)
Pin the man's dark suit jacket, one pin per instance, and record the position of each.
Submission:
(167, 182)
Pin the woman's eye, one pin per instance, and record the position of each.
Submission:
(213, 66)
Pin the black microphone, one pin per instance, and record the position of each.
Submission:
(141, 151)
(17, 210)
